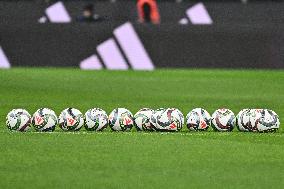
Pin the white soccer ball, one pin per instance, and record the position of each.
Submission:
(120, 119)
(198, 119)
(243, 120)
(170, 119)
(44, 119)
(254, 117)
(96, 119)
(154, 116)
(142, 120)
(265, 120)
(275, 126)
(71, 119)
(223, 120)
(18, 120)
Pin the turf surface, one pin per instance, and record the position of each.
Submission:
(141, 160)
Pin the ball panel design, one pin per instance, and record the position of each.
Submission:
(170, 119)
(243, 120)
(71, 119)
(223, 120)
(44, 120)
(267, 120)
(153, 120)
(18, 120)
(198, 119)
(96, 119)
(121, 119)
(276, 126)
(142, 120)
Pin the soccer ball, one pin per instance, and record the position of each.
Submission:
(44, 119)
(223, 120)
(266, 120)
(254, 117)
(276, 121)
(154, 116)
(170, 119)
(18, 120)
(71, 119)
(243, 120)
(198, 119)
(142, 120)
(96, 119)
(121, 119)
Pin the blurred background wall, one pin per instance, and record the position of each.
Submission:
(243, 34)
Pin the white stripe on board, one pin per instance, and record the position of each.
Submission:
(4, 62)
(57, 13)
(133, 48)
(199, 15)
(111, 56)
(91, 63)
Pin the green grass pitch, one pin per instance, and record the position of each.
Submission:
(141, 160)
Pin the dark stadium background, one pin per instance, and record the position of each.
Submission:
(243, 35)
